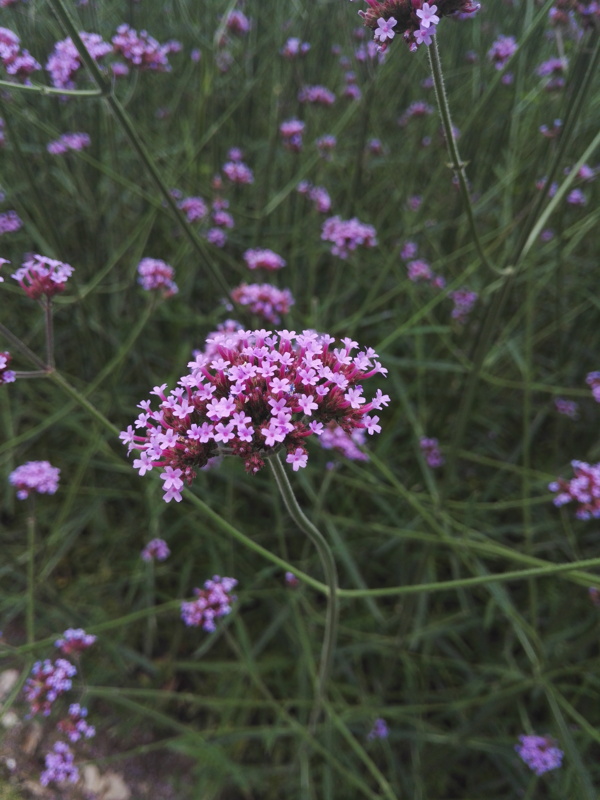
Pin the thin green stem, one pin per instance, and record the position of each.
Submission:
(457, 164)
(22, 348)
(57, 378)
(30, 609)
(48, 90)
(331, 579)
(49, 328)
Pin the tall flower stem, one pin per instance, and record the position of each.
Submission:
(49, 333)
(30, 603)
(457, 164)
(331, 579)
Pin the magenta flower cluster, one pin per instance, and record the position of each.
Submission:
(583, 489)
(142, 50)
(347, 235)
(6, 375)
(316, 95)
(65, 62)
(156, 550)
(74, 640)
(266, 301)
(211, 603)
(379, 730)
(75, 725)
(17, 62)
(260, 392)
(9, 223)
(540, 753)
(155, 274)
(431, 450)
(59, 766)
(262, 258)
(463, 300)
(68, 141)
(502, 50)
(346, 444)
(39, 276)
(291, 134)
(35, 476)
(294, 48)
(318, 195)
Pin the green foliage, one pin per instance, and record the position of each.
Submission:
(457, 656)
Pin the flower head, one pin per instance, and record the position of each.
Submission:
(540, 753)
(266, 301)
(75, 724)
(6, 375)
(40, 275)
(584, 489)
(35, 476)
(262, 258)
(156, 549)
(59, 766)
(212, 602)
(74, 640)
(48, 680)
(256, 393)
(379, 730)
(347, 235)
(142, 50)
(156, 274)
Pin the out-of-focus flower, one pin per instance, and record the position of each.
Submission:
(431, 450)
(156, 550)
(316, 95)
(266, 301)
(237, 22)
(9, 222)
(6, 375)
(65, 62)
(583, 489)
(379, 730)
(68, 141)
(593, 380)
(262, 258)
(294, 47)
(417, 109)
(540, 753)
(194, 208)
(35, 476)
(502, 50)
(59, 766)
(142, 50)
(463, 300)
(568, 408)
(326, 145)
(48, 681)
(211, 603)
(75, 724)
(156, 274)
(74, 640)
(346, 444)
(238, 172)
(347, 235)
(291, 134)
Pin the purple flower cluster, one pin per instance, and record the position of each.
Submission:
(259, 393)
(583, 489)
(593, 380)
(6, 375)
(416, 21)
(554, 69)
(379, 730)
(237, 22)
(156, 549)
(59, 766)
(194, 208)
(212, 602)
(326, 145)
(347, 235)
(68, 141)
(35, 476)
(417, 109)
(64, 62)
(74, 640)
(316, 95)
(431, 450)
(238, 172)
(294, 48)
(463, 300)
(48, 680)
(75, 724)
(318, 195)
(346, 444)
(264, 300)
(18, 63)
(142, 50)
(419, 271)
(291, 134)
(502, 50)
(540, 753)
(9, 222)
(262, 258)
(156, 274)
(568, 408)
(40, 276)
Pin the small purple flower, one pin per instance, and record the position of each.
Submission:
(584, 489)
(380, 728)
(212, 602)
(238, 172)
(9, 222)
(262, 258)
(316, 95)
(156, 274)
(567, 407)
(576, 198)
(48, 680)
(427, 15)
(431, 450)
(156, 549)
(385, 28)
(68, 141)
(593, 380)
(74, 640)
(6, 375)
(59, 766)
(35, 476)
(502, 50)
(463, 300)
(540, 753)
(75, 724)
(266, 301)
(40, 275)
(347, 235)
(291, 580)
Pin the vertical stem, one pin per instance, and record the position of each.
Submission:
(30, 606)
(331, 579)
(49, 333)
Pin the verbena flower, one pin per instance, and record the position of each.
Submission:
(194, 208)
(74, 640)
(294, 47)
(64, 62)
(262, 258)
(40, 276)
(156, 549)
(318, 195)
(379, 730)
(212, 602)
(48, 681)
(414, 21)
(569, 408)
(17, 63)
(75, 724)
(68, 141)
(35, 476)
(593, 380)
(325, 145)
(346, 444)
(238, 172)
(266, 301)
(237, 22)
(142, 50)
(260, 392)
(291, 134)
(417, 109)
(59, 766)
(583, 489)
(431, 450)
(9, 222)
(502, 50)
(463, 300)
(347, 235)
(156, 274)
(316, 95)
(540, 753)
(6, 375)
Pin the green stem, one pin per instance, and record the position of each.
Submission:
(48, 90)
(331, 579)
(22, 348)
(57, 378)
(30, 609)
(458, 165)
(49, 327)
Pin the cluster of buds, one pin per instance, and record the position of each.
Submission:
(416, 21)
(39, 276)
(212, 602)
(259, 393)
(35, 476)
(74, 640)
(583, 489)
(48, 680)
(262, 258)
(266, 301)
(142, 50)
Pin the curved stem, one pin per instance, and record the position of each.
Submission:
(331, 579)
(457, 164)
